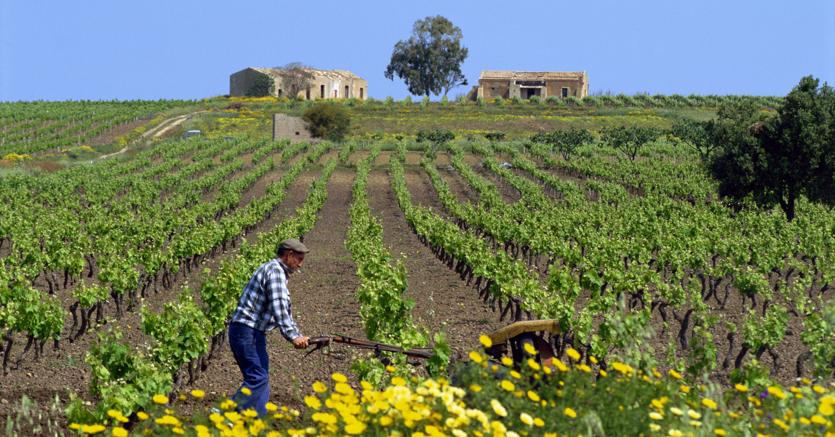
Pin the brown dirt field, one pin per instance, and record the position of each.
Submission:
(443, 302)
(323, 302)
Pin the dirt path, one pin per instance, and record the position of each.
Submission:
(443, 302)
(324, 302)
(157, 131)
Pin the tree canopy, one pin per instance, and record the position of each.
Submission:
(629, 139)
(295, 78)
(328, 121)
(429, 62)
(776, 159)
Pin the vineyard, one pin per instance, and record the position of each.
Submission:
(119, 275)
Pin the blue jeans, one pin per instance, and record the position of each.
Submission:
(249, 347)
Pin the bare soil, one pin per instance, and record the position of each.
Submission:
(443, 302)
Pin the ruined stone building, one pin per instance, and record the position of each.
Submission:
(526, 84)
(325, 84)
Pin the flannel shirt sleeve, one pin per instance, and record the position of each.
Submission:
(279, 304)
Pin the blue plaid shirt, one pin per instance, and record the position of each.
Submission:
(265, 302)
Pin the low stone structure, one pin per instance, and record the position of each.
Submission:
(325, 84)
(290, 128)
(527, 84)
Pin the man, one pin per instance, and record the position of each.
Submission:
(263, 306)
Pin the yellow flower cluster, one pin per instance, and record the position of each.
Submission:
(503, 398)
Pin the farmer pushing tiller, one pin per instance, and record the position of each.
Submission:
(264, 305)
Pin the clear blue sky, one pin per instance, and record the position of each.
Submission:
(110, 49)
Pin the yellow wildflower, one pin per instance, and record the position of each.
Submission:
(119, 432)
(160, 399)
(533, 364)
(568, 411)
(742, 388)
(776, 392)
(498, 408)
(319, 387)
(338, 377)
(198, 394)
(313, 402)
(246, 391)
(485, 341)
(573, 354)
(827, 405)
(92, 429)
(507, 385)
(529, 349)
(709, 403)
(168, 420)
(476, 357)
(534, 396)
(818, 420)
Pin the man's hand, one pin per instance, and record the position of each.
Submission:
(300, 342)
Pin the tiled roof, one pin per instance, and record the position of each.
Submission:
(331, 74)
(531, 75)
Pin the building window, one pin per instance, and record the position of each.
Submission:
(280, 92)
(307, 93)
(321, 91)
(347, 92)
(564, 92)
(362, 96)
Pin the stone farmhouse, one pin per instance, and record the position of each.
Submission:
(326, 84)
(526, 84)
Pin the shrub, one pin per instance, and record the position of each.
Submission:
(573, 101)
(327, 120)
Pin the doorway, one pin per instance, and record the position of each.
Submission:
(527, 93)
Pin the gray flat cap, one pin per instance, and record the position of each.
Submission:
(294, 245)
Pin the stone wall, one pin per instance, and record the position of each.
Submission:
(240, 82)
(327, 85)
(289, 128)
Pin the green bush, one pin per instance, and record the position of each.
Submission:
(327, 120)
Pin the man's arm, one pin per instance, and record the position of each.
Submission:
(279, 298)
